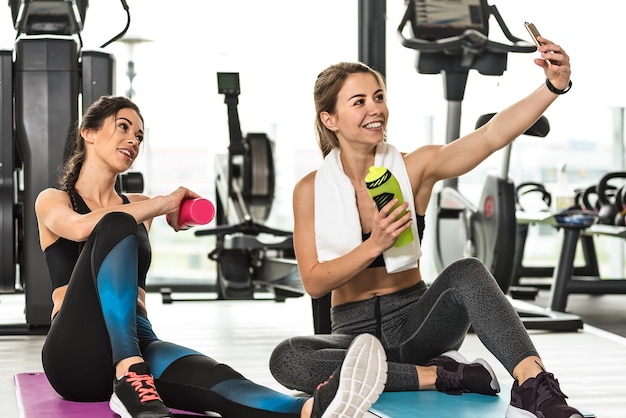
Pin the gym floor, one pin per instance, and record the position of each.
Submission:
(607, 312)
(590, 364)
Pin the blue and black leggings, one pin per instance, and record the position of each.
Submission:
(99, 324)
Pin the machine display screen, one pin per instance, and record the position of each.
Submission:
(438, 19)
(228, 83)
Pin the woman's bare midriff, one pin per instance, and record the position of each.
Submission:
(374, 282)
(58, 295)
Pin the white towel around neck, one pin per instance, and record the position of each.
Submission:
(337, 225)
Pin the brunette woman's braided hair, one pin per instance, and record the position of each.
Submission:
(93, 118)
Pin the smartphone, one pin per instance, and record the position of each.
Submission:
(534, 33)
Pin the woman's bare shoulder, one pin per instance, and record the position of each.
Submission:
(307, 182)
(52, 192)
(51, 195)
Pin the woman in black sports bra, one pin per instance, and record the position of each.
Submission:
(101, 344)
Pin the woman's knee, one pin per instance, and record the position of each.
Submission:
(117, 223)
(470, 263)
(110, 231)
(280, 358)
(290, 363)
(469, 270)
(468, 276)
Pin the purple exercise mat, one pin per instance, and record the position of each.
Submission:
(37, 399)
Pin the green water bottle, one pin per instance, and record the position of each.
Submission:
(382, 186)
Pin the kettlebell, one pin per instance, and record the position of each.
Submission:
(586, 200)
(620, 206)
(530, 187)
(608, 205)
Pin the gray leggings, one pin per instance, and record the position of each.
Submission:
(415, 325)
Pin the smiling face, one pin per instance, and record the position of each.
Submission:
(117, 142)
(361, 111)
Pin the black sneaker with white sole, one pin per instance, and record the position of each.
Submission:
(135, 396)
(540, 397)
(356, 384)
(455, 375)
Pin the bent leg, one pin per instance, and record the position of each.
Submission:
(416, 327)
(465, 293)
(77, 355)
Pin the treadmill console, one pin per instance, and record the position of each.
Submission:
(438, 19)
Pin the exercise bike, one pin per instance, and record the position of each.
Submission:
(486, 230)
(451, 39)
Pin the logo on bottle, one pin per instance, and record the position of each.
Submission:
(384, 197)
(383, 187)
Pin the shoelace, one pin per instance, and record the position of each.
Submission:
(449, 382)
(547, 387)
(144, 385)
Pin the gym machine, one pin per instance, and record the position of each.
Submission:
(602, 218)
(251, 257)
(43, 83)
(541, 277)
(451, 38)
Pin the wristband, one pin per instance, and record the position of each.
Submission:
(557, 91)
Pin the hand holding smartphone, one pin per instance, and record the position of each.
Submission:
(534, 33)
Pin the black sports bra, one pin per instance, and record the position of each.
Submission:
(380, 261)
(61, 255)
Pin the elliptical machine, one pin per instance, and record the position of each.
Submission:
(452, 39)
(43, 82)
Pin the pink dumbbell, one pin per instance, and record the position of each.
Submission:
(194, 212)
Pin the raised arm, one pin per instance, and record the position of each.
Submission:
(464, 154)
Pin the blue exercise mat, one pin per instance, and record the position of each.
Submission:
(436, 404)
(430, 404)
(37, 399)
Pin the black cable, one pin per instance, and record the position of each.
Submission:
(119, 35)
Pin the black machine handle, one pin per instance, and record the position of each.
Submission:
(248, 228)
(471, 40)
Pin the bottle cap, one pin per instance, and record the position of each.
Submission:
(374, 173)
